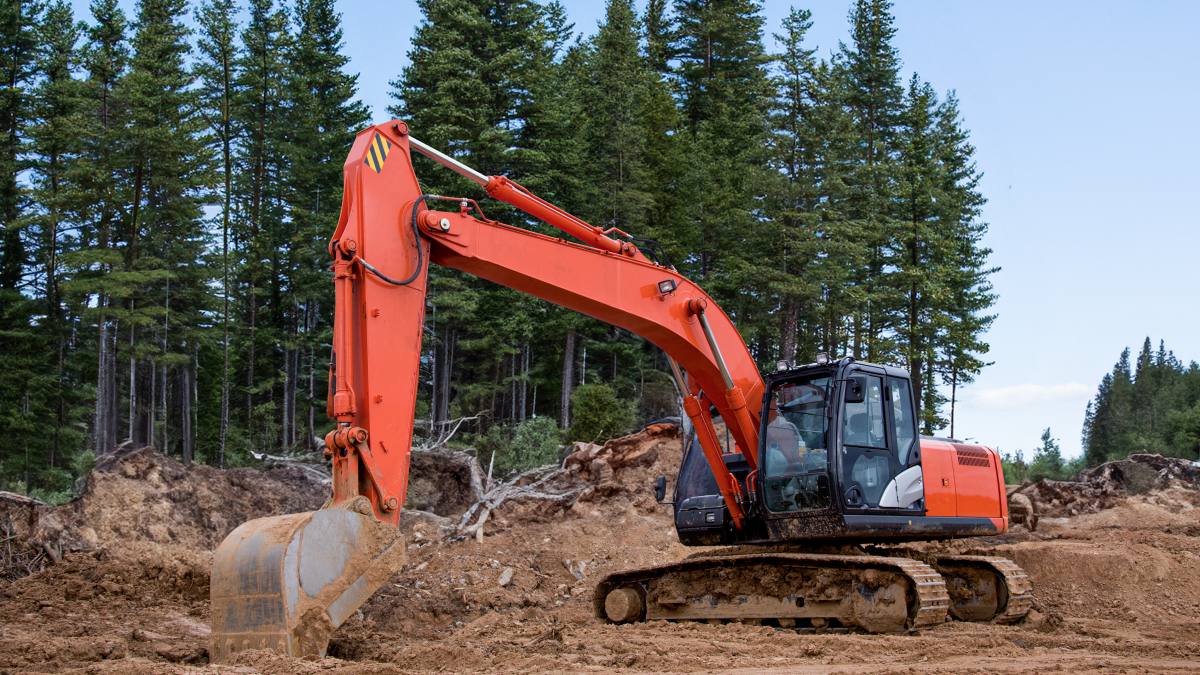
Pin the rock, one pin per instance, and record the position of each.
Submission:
(180, 653)
(1034, 619)
(505, 577)
(474, 578)
(1021, 511)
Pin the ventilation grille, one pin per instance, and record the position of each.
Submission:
(973, 456)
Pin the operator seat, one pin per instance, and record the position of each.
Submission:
(856, 430)
(783, 446)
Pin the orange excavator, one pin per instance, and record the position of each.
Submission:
(826, 458)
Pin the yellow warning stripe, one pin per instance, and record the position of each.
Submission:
(377, 152)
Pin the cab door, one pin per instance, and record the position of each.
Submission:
(866, 454)
(907, 488)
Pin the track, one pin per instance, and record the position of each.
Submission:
(876, 594)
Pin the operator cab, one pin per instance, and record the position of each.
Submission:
(839, 456)
(871, 425)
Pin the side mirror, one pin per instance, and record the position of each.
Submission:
(660, 489)
(856, 389)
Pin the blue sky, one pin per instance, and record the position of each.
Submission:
(1084, 116)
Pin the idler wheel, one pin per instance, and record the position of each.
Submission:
(624, 605)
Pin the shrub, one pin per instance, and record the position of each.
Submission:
(528, 445)
(599, 415)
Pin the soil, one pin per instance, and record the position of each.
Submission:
(1116, 591)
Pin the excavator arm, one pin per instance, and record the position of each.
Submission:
(388, 234)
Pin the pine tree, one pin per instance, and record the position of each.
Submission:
(874, 96)
(1150, 405)
(722, 60)
(324, 118)
(727, 93)
(217, 77)
(663, 150)
(261, 112)
(18, 49)
(615, 94)
(57, 104)
(166, 234)
(797, 201)
(99, 206)
(924, 248)
(965, 311)
(485, 86)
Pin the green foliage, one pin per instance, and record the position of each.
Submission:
(1047, 463)
(598, 415)
(1151, 405)
(528, 445)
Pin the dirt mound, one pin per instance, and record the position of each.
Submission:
(443, 481)
(617, 473)
(137, 501)
(92, 607)
(1149, 477)
(1116, 591)
(626, 465)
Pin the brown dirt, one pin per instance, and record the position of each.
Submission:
(1117, 591)
(1110, 484)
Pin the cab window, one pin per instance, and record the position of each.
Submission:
(905, 419)
(795, 455)
(865, 423)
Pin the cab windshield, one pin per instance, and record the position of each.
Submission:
(795, 453)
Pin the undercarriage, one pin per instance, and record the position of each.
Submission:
(815, 591)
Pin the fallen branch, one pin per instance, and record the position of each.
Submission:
(16, 560)
(482, 509)
(307, 463)
(447, 431)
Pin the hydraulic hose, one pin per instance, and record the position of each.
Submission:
(416, 237)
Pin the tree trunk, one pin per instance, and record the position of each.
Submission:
(185, 426)
(100, 420)
(132, 376)
(568, 378)
(253, 298)
(290, 390)
(227, 158)
(151, 404)
(443, 365)
(787, 342)
(917, 373)
(114, 390)
(309, 320)
(953, 397)
(524, 378)
(166, 415)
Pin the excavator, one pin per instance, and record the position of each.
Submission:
(825, 459)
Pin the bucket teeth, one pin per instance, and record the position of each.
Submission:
(286, 583)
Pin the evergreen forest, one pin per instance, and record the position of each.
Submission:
(1150, 405)
(172, 177)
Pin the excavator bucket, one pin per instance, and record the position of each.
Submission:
(286, 583)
